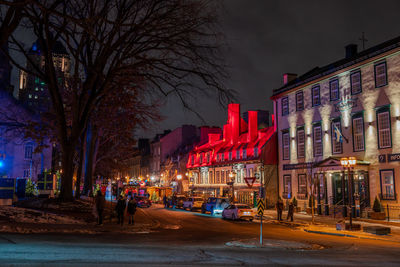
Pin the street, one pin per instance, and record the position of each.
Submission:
(187, 238)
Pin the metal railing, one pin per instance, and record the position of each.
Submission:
(392, 212)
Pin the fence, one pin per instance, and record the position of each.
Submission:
(392, 212)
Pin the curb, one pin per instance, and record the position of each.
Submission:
(348, 235)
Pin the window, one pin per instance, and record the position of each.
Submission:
(380, 74)
(30, 96)
(384, 135)
(299, 101)
(27, 173)
(317, 140)
(337, 138)
(244, 152)
(222, 156)
(208, 157)
(210, 178)
(238, 176)
(192, 159)
(256, 152)
(285, 106)
(316, 99)
(300, 143)
(251, 174)
(387, 184)
(302, 183)
(218, 156)
(334, 89)
(355, 83)
(358, 133)
(230, 155)
(287, 186)
(238, 154)
(286, 145)
(28, 151)
(217, 177)
(222, 177)
(201, 158)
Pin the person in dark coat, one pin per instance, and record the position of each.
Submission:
(290, 211)
(174, 201)
(131, 210)
(279, 209)
(120, 209)
(165, 201)
(100, 204)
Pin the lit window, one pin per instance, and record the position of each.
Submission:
(285, 145)
(316, 100)
(287, 186)
(36, 97)
(285, 106)
(358, 133)
(337, 139)
(334, 89)
(317, 139)
(299, 101)
(355, 83)
(29, 96)
(300, 143)
(36, 89)
(302, 183)
(380, 74)
(387, 184)
(384, 135)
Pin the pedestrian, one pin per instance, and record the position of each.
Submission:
(174, 200)
(100, 204)
(165, 201)
(279, 209)
(120, 209)
(131, 210)
(290, 211)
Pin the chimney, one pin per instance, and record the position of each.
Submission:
(351, 50)
(253, 126)
(288, 77)
(234, 122)
(226, 133)
(212, 138)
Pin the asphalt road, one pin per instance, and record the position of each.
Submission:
(186, 238)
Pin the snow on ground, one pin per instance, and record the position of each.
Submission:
(267, 243)
(25, 215)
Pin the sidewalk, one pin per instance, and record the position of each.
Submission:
(327, 226)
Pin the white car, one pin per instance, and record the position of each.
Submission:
(238, 211)
(193, 203)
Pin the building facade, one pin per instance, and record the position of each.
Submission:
(221, 166)
(349, 108)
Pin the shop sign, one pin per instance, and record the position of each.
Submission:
(288, 167)
(393, 157)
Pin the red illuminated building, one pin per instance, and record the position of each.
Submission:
(243, 150)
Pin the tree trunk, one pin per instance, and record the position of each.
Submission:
(79, 172)
(67, 173)
(90, 149)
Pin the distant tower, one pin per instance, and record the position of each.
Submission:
(33, 91)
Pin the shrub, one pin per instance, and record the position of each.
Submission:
(377, 205)
(31, 189)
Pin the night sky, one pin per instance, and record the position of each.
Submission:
(269, 38)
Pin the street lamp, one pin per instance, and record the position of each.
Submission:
(232, 182)
(349, 163)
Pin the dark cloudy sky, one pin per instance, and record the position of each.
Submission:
(269, 38)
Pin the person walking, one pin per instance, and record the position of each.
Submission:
(165, 201)
(290, 212)
(100, 203)
(131, 210)
(120, 209)
(279, 209)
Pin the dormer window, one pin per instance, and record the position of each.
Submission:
(238, 154)
(218, 157)
(230, 155)
(256, 152)
(244, 153)
(201, 158)
(222, 156)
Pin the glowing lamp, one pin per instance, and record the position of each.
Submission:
(179, 176)
(1, 163)
(352, 161)
(344, 161)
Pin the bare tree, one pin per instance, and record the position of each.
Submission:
(171, 45)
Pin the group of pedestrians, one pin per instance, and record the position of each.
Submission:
(279, 210)
(120, 208)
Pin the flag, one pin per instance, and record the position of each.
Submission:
(338, 134)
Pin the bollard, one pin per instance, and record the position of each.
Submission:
(388, 215)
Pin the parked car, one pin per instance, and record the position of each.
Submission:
(215, 205)
(143, 202)
(193, 203)
(179, 201)
(238, 211)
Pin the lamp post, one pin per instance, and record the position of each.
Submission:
(232, 182)
(349, 163)
(179, 177)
